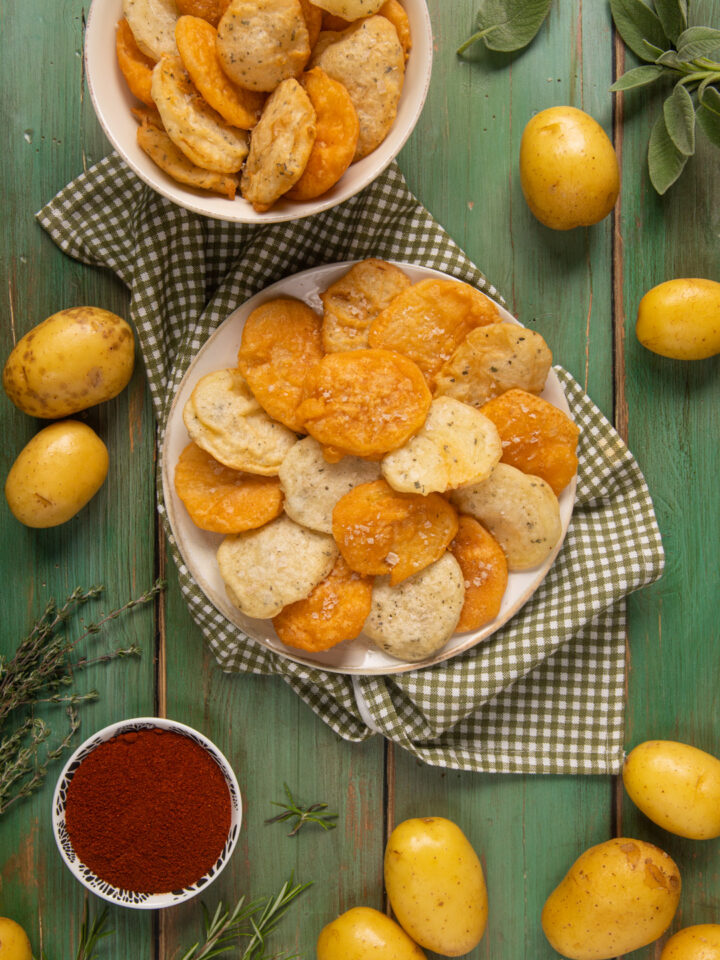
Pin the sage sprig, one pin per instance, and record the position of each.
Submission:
(507, 25)
(660, 35)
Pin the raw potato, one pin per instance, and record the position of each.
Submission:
(618, 896)
(73, 360)
(153, 25)
(677, 786)
(681, 319)
(56, 474)
(568, 168)
(700, 942)
(365, 934)
(14, 941)
(436, 886)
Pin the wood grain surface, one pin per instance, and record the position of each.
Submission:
(581, 290)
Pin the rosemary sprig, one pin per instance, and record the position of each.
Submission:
(91, 932)
(311, 814)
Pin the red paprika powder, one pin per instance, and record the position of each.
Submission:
(148, 811)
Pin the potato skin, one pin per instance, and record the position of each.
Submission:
(680, 319)
(73, 360)
(677, 786)
(436, 886)
(56, 474)
(700, 942)
(568, 168)
(365, 934)
(618, 896)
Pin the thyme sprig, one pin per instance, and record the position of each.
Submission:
(312, 814)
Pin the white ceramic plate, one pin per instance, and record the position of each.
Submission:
(113, 101)
(198, 547)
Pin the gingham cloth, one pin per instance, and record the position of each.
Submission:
(545, 693)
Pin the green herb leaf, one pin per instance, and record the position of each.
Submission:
(639, 77)
(710, 99)
(636, 22)
(673, 16)
(671, 60)
(679, 112)
(507, 25)
(709, 123)
(697, 42)
(665, 162)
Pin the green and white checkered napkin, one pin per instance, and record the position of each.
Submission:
(545, 693)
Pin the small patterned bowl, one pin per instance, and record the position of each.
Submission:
(100, 887)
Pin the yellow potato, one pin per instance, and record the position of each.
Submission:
(568, 168)
(436, 886)
(14, 944)
(700, 942)
(681, 319)
(365, 934)
(677, 786)
(73, 360)
(618, 896)
(56, 474)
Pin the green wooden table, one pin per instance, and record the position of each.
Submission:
(583, 289)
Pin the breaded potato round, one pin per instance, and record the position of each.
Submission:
(351, 303)
(280, 146)
(364, 402)
(493, 359)
(368, 60)
(350, 9)
(429, 320)
(265, 570)
(336, 136)
(193, 126)
(335, 611)
(312, 486)
(263, 42)
(222, 500)
(485, 572)
(153, 25)
(224, 418)
(395, 13)
(455, 446)
(210, 10)
(134, 65)
(280, 344)
(313, 20)
(416, 619)
(519, 510)
(379, 530)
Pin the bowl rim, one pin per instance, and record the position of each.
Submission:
(104, 889)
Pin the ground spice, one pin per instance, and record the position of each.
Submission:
(148, 811)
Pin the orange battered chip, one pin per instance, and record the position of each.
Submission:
(313, 20)
(223, 500)
(210, 10)
(134, 65)
(195, 40)
(428, 321)
(335, 611)
(281, 342)
(394, 11)
(380, 531)
(331, 21)
(485, 570)
(364, 402)
(337, 131)
(537, 438)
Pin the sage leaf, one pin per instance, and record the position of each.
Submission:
(670, 59)
(639, 77)
(508, 25)
(710, 99)
(679, 112)
(665, 162)
(709, 122)
(697, 42)
(672, 15)
(636, 23)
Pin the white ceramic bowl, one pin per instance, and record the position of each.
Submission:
(100, 887)
(113, 101)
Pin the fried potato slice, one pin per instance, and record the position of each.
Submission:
(195, 39)
(335, 611)
(537, 438)
(193, 126)
(280, 343)
(266, 569)
(224, 418)
(153, 25)
(369, 61)
(415, 619)
(153, 139)
(280, 146)
(313, 20)
(331, 22)
(493, 359)
(223, 500)
(429, 320)
(485, 572)
(134, 65)
(260, 43)
(351, 303)
(519, 510)
(364, 402)
(336, 136)
(455, 446)
(350, 9)
(312, 486)
(395, 13)
(210, 10)
(380, 531)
